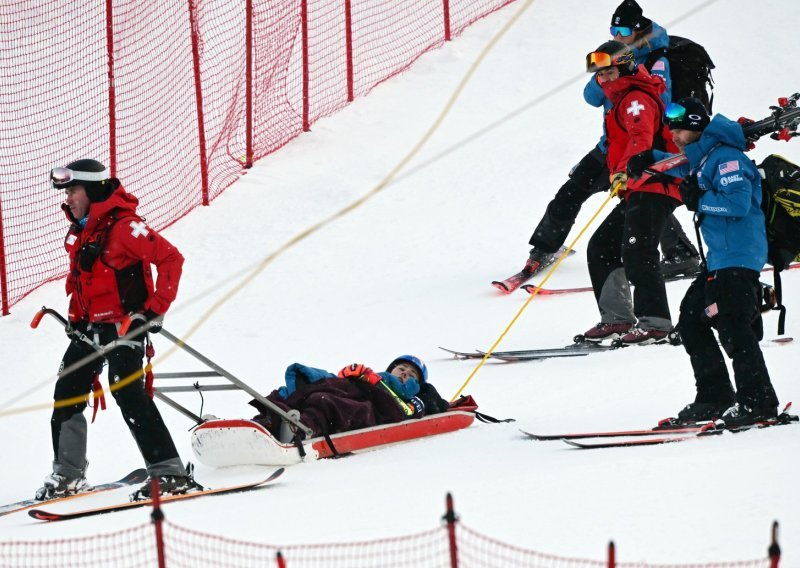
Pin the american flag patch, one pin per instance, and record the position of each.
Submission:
(658, 66)
(728, 167)
(712, 310)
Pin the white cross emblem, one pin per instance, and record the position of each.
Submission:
(635, 108)
(139, 229)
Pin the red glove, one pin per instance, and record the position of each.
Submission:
(359, 372)
(750, 143)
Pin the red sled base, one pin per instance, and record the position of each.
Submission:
(222, 443)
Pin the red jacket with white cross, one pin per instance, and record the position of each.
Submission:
(110, 263)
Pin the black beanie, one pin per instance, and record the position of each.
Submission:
(96, 190)
(629, 15)
(694, 118)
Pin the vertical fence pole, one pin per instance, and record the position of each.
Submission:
(112, 94)
(304, 28)
(248, 99)
(3, 275)
(158, 518)
(450, 518)
(446, 7)
(612, 555)
(348, 34)
(774, 550)
(198, 91)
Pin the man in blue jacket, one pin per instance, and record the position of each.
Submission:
(590, 175)
(723, 187)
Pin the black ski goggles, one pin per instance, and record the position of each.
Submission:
(65, 177)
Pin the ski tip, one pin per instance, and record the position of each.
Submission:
(275, 474)
(501, 286)
(532, 436)
(574, 444)
(40, 515)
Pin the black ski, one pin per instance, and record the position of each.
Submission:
(134, 477)
(573, 350)
(709, 429)
(51, 516)
(515, 281)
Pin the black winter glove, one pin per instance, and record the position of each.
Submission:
(638, 163)
(690, 193)
(155, 321)
(418, 406)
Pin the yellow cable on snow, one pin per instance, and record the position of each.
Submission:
(550, 272)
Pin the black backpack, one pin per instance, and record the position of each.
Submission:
(689, 68)
(780, 201)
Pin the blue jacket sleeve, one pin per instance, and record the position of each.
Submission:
(297, 372)
(593, 93)
(727, 194)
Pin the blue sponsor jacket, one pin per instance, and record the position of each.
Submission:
(658, 38)
(732, 223)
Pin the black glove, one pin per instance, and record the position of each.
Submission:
(690, 193)
(638, 163)
(418, 406)
(155, 321)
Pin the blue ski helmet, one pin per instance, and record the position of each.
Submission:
(415, 361)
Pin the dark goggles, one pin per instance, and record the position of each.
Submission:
(65, 177)
(623, 31)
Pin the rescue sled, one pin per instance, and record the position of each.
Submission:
(221, 443)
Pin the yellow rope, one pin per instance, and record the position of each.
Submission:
(536, 291)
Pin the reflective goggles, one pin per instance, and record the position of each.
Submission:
(597, 60)
(65, 177)
(674, 112)
(623, 31)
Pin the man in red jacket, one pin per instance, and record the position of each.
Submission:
(624, 248)
(111, 250)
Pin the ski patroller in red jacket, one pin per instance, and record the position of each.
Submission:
(634, 124)
(120, 280)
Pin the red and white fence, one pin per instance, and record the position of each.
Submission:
(179, 98)
(452, 545)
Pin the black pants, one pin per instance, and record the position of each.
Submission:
(588, 177)
(68, 426)
(729, 301)
(628, 238)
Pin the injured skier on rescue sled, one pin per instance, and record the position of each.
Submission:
(356, 397)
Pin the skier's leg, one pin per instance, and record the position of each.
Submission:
(737, 294)
(611, 290)
(139, 410)
(710, 373)
(645, 217)
(679, 253)
(589, 176)
(67, 423)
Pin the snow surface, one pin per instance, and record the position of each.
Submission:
(409, 271)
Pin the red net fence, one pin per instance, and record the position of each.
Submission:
(179, 98)
(453, 545)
